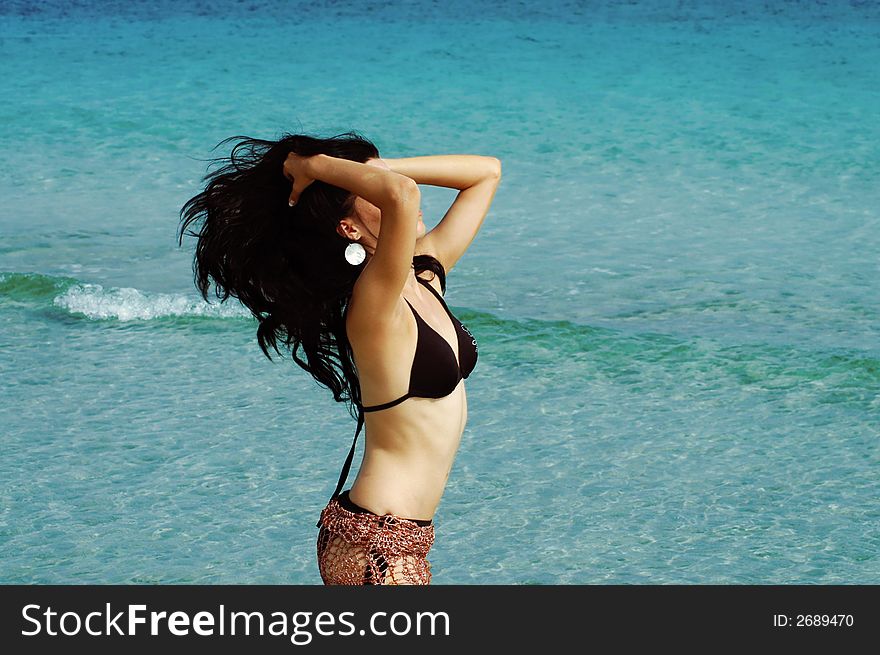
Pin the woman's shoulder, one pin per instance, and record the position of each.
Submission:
(401, 314)
(364, 328)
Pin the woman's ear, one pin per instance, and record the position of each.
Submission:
(347, 230)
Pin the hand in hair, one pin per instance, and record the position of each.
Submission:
(296, 169)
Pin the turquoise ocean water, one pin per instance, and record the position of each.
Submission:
(675, 292)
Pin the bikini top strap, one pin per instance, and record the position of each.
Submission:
(343, 476)
(432, 290)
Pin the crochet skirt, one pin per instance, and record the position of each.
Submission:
(358, 547)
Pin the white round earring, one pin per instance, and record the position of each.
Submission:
(355, 253)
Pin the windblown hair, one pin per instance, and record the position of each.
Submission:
(285, 264)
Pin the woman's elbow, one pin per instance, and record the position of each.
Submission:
(405, 190)
(495, 165)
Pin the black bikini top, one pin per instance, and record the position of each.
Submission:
(435, 372)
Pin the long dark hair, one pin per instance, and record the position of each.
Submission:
(285, 264)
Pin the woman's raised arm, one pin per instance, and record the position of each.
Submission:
(477, 178)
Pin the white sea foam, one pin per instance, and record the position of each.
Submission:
(128, 304)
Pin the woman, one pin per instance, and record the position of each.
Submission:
(346, 272)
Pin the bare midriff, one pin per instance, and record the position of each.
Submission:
(409, 451)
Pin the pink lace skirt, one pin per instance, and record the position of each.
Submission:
(357, 547)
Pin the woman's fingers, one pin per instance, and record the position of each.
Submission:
(299, 185)
(295, 171)
(295, 193)
(288, 173)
